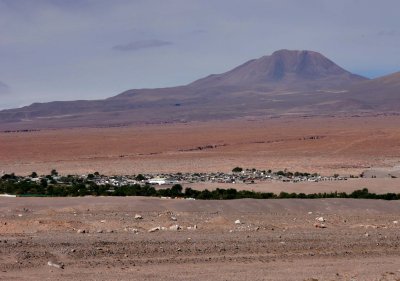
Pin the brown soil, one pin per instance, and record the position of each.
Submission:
(324, 145)
(384, 185)
(276, 240)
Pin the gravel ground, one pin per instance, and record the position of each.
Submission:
(100, 239)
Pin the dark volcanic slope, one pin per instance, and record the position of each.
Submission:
(287, 82)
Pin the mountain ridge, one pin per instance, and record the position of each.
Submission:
(284, 83)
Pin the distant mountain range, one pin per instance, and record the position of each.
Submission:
(284, 83)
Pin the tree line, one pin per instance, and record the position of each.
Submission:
(77, 187)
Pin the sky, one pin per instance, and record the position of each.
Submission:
(91, 49)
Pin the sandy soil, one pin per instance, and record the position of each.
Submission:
(276, 240)
(323, 145)
(378, 185)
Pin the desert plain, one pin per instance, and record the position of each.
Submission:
(326, 145)
(99, 238)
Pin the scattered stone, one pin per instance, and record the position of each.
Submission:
(110, 231)
(192, 227)
(99, 231)
(310, 213)
(174, 218)
(154, 229)
(131, 229)
(73, 251)
(238, 222)
(320, 225)
(20, 215)
(395, 222)
(56, 265)
(366, 234)
(174, 227)
(138, 217)
(103, 221)
(320, 219)
(81, 231)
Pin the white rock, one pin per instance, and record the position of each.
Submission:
(310, 213)
(192, 227)
(320, 219)
(395, 222)
(56, 265)
(320, 225)
(174, 218)
(154, 229)
(174, 227)
(138, 217)
(81, 231)
(238, 222)
(131, 229)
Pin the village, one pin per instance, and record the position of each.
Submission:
(248, 176)
(238, 175)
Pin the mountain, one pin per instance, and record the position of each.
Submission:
(284, 83)
(382, 93)
(284, 69)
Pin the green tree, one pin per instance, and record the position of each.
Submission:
(140, 177)
(237, 170)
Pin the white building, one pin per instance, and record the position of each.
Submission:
(162, 181)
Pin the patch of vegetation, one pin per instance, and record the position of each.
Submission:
(70, 186)
(237, 170)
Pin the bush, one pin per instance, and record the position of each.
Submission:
(237, 170)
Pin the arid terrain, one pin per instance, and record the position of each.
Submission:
(100, 239)
(323, 145)
(275, 240)
(199, 140)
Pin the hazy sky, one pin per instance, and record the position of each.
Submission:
(86, 49)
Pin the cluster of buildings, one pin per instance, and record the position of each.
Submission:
(245, 176)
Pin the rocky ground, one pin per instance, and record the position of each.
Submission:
(108, 238)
